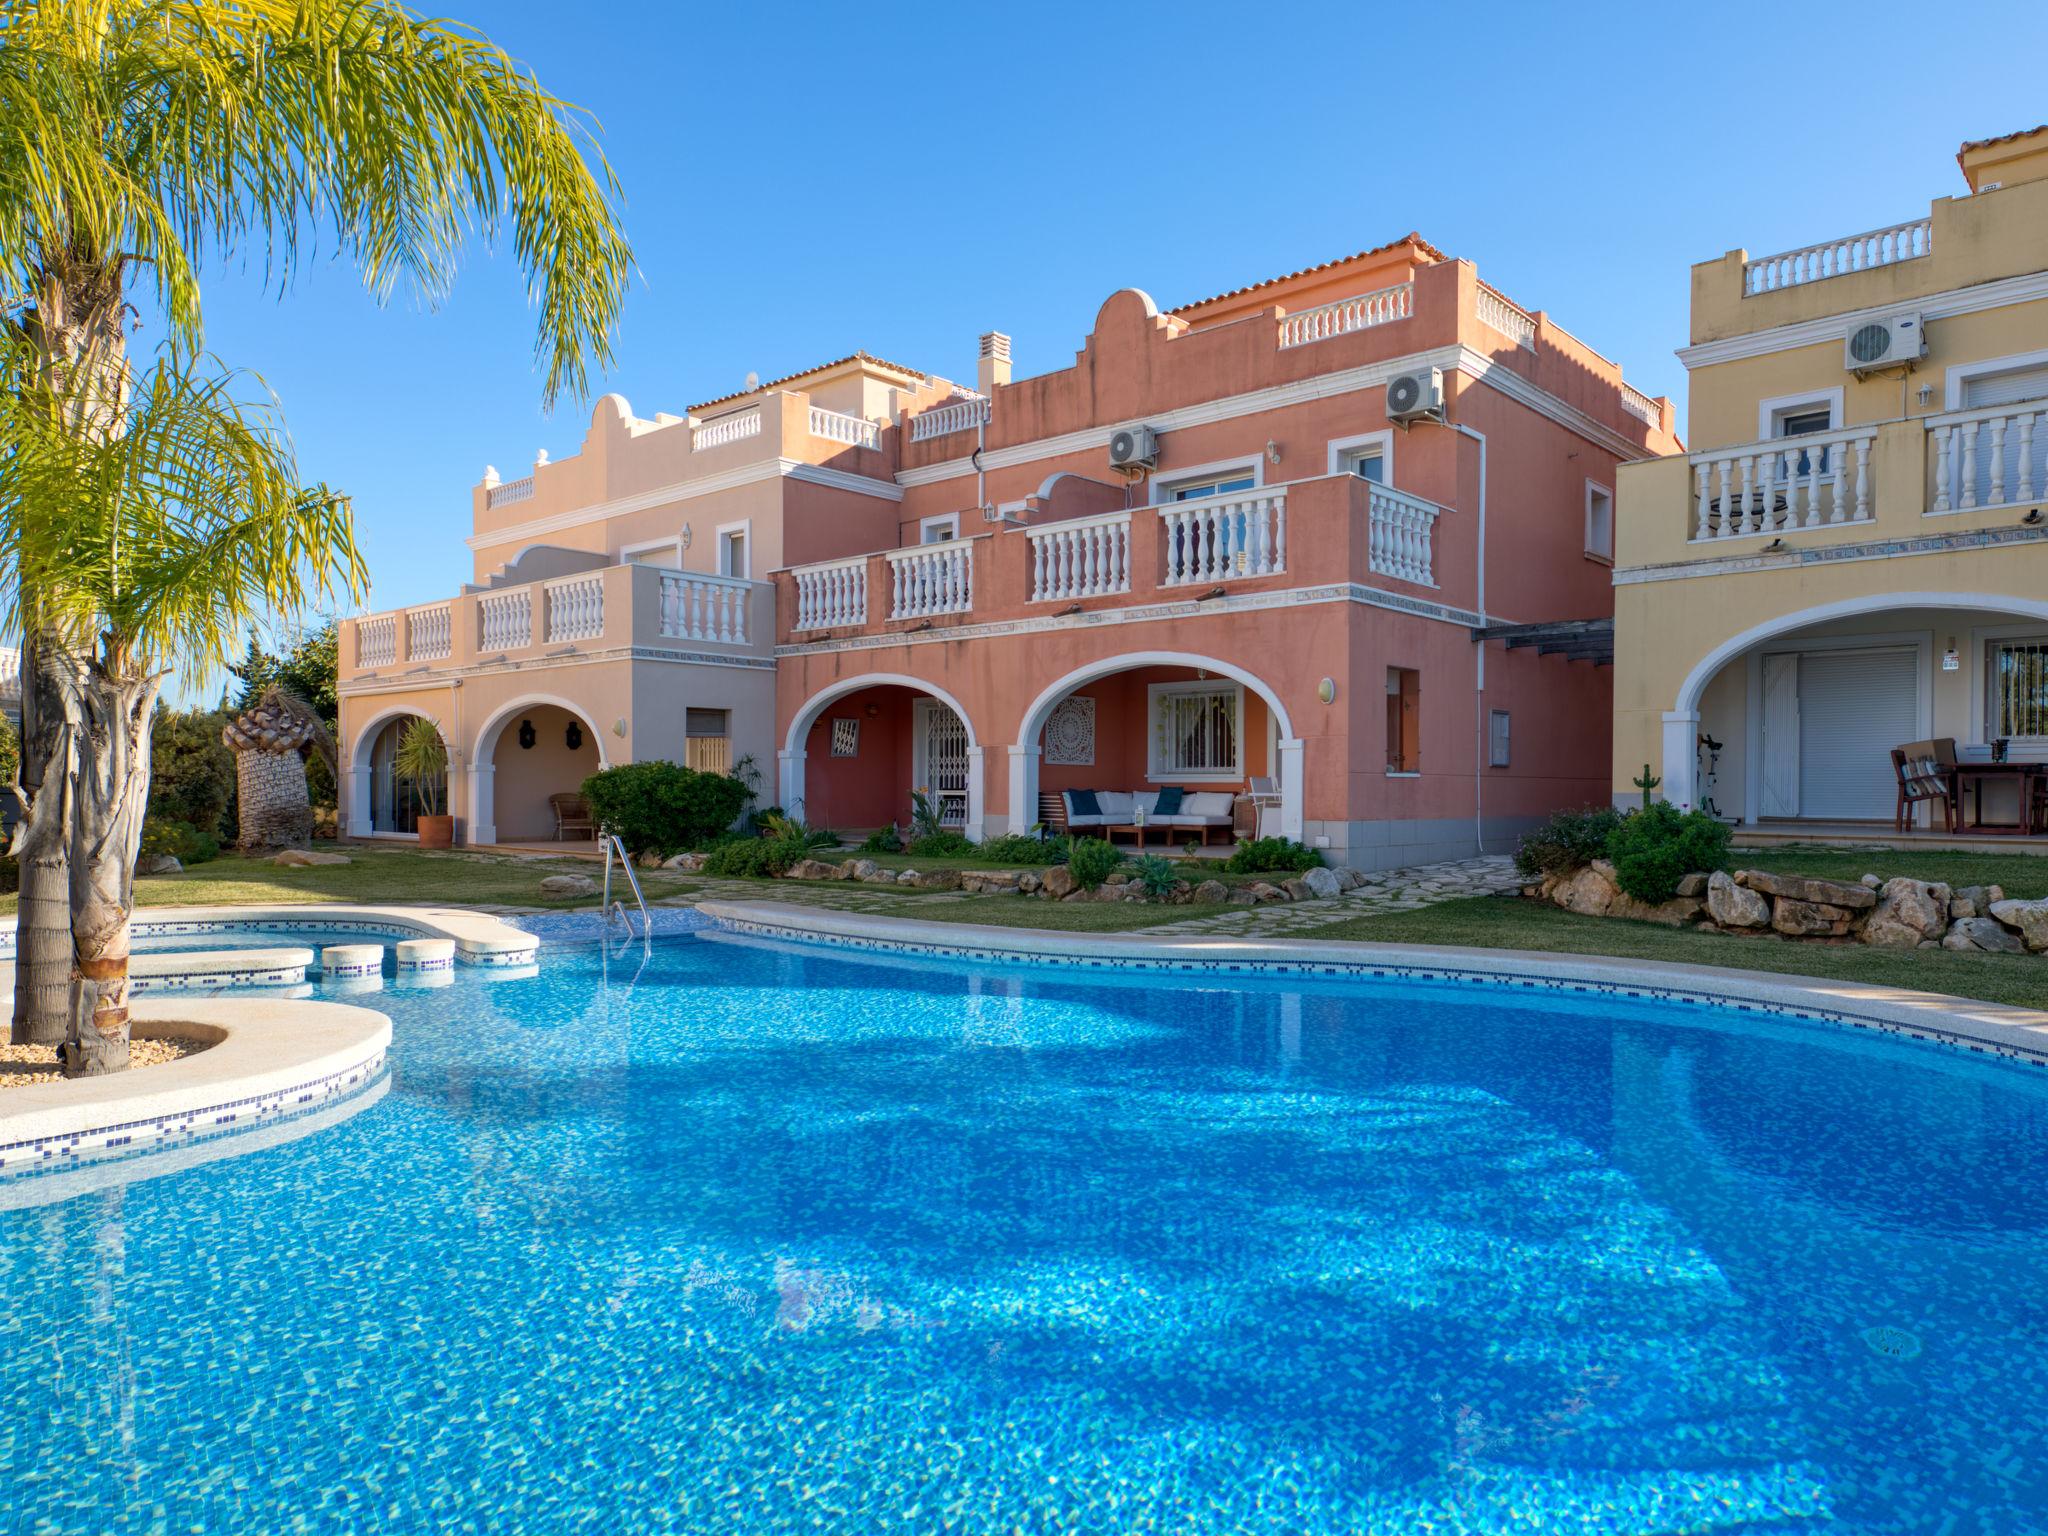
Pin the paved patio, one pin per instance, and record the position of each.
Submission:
(1389, 890)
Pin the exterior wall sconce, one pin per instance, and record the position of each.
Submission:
(526, 736)
(1272, 451)
(685, 536)
(619, 727)
(574, 737)
(1326, 690)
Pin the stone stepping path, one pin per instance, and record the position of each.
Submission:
(1387, 890)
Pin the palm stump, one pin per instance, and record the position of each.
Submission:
(270, 740)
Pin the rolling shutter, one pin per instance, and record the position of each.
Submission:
(2008, 388)
(1854, 707)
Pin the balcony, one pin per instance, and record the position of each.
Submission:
(1783, 486)
(622, 608)
(1837, 258)
(1355, 530)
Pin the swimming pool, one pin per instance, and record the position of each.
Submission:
(745, 1236)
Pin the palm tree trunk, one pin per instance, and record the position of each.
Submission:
(110, 793)
(42, 965)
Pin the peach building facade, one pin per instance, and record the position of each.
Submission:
(1336, 547)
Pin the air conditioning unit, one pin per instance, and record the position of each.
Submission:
(1134, 448)
(1415, 397)
(1896, 341)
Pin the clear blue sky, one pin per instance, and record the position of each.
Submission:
(804, 181)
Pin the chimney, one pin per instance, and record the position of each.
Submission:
(994, 368)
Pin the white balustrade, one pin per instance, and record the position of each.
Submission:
(1360, 312)
(575, 608)
(1640, 405)
(10, 671)
(931, 579)
(697, 607)
(832, 595)
(954, 416)
(1083, 557)
(726, 429)
(838, 427)
(1400, 536)
(511, 491)
(1996, 456)
(429, 632)
(1834, 258)
(1815, 480)
(504, 620)
(1511, 320)
(377, 640)
(1216, 538)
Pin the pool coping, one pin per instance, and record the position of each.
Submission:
(271, 1058)
(1967, 1023)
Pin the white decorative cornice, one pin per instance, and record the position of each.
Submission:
(370, 684)
(1833, 554)
(1996, 294)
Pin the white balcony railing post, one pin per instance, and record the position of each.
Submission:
(953, 416)
(1835, 258)
(510, 491)
(377, 640)
(1400, 541)
(832, 594)
(429, 633)
(726, 429)
(700, 607)
(1360, 312)
(931, 579)
(574, 608)
(1083, 557)
(1511, 320)
(1217, 538)
(1815, 480)
(838, 427)
(1994, 456)
(504, 620)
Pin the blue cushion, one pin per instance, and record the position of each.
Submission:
(1169, 801)
(1081, 802)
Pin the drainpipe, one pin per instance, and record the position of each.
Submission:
(1479, 668)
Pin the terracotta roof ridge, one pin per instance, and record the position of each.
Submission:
(1412, 238)
(862, 356)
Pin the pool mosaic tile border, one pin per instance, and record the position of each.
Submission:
(1337, 967)
(265, 921)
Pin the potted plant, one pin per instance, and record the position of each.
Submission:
(423, 757)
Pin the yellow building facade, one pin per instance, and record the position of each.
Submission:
(1853, 555)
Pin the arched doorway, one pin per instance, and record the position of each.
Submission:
(526, 753)
(382, 802)
(1158, 717)
(856, 751)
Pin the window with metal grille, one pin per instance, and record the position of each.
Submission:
(1195, 730)
(2019, 687)
(707, 740)
(846, 738)
(1497, 739)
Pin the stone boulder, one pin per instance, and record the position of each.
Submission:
(688, 863)
(1735, 906)
(1057, 883)
(1263, 891)
(1831, 893)
(1974, 900)
(1810, 919)
(1693, 885)
(1348, 879)
(1210, 891)
(907, 877)
(1297, 890)
(858, 869)
(937, 880)
(874, 874)
(1322, 883)
(990, 882)
(1028, 883)
(568, 885)
(1589, 891)
(1678, 912)
(1909, 912)
(308, 858)
(1985, 933)
(811, 869)
(160, 864)
(2029, 917)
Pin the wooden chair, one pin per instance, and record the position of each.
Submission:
(1926, 771)
(1052, 810)
(571, 815)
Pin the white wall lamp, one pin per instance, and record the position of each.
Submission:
(1326, 690)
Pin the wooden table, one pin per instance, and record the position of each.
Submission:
(1974, 776)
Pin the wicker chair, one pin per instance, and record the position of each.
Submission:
(1926, 771)
(571, 815)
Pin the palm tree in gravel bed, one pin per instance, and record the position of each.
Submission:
(145, 137)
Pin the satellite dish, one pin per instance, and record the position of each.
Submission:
(753, 379)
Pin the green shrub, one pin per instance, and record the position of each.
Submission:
(742, 857)
(191, 771)
(1271, 855)
(661, 807)
(1091, 861)
(1569, 840)
(184, 842)
(883, 840)
(1019, 851)
(1655, 848)
(942, 844)
(1157, 875)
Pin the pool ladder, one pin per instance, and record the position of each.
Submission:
(615, 911)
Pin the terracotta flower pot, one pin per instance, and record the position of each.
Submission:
(436, 831)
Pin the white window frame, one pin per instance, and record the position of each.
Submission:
(745, 528)
(1599, 556)
(1164, 486)
(673, 541)
(1346, 451)
(1770, 412)
(1978, 674)
(1155, 773)
(950, 521)
(1500, 732)
(1960, 374)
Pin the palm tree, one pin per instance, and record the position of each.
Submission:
(143, 547)
(145, 137)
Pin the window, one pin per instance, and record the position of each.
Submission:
(1368, 465)
(846, 738)
(1369, 455)
(707, 740)
(1798, 423)
(1599, 522)
(1404, 720)
(1196, 728)
(936, 530)
(1497, 739)
(732, 552)
(1974, 386)
(2019, 688)
(1192, 490)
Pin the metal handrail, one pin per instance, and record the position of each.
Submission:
(606, 905)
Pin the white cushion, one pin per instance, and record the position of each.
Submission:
(1210, 803)
(1085, 821)
(1117, 804)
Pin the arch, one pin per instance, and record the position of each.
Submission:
(483, 768)
(1681, 720)
(354, 790)
(1024, 755)
(790, 761)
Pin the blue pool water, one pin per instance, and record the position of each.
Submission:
(752, 1238)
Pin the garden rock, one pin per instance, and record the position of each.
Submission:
(874, 874)
(1057, 882)
(160, 864)
(1348, 879)
(939, 880)
(306, 858)
(2029, 917)
(1591, 891)
(1678, 912)
(811, 869)
(1872, 881)
(907, 877)
(1027, 884)
(1693, 885)
(1297, 889)
(1985, 933)
(1810, 919)
(1210, 891)
(1832, 893)
(1322, 883)
(988, 882)
(688, 863)
(859, 869)
(1908, 913)
(1264, 891)
(568, 885)
(1735, 906)
(1975, 900)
